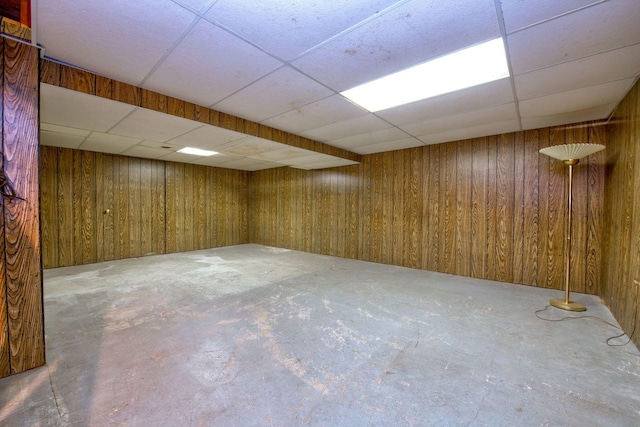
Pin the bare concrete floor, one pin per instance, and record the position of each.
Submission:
(252, 335)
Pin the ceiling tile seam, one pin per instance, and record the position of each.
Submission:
(533, 70)
(213, 106)
(302, 106)
(599, 84)
(579, 9)
(170, 50)
(350, 29)
(194, 11)
(505, 40)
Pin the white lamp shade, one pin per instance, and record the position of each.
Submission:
(571, 151)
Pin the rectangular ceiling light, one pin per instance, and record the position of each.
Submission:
(469, 67)
(196, 151)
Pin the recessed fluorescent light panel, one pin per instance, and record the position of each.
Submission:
(196, 151)
(469, 67)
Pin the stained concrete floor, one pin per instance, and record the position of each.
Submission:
(258, 336)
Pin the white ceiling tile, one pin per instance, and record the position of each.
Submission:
(471, 132)
(412, 33)
(605, 67)
(152, 125)
(64, 129)
(65, 107)
(250, 146)
(609, 25)
(216, 160)
(249, 164)
(207, 137)
(208, 65)
(198, 6)
(160, 145)
(388, 146)
(369, 138)
(271, 24)
(127, 38)
(62, 140)
(321, 113)
(327, 164)
(487, 95)
(283, 154)
(521, 13)
(575, 100)
(144, 152)
(345, 128)
(103, 146)
(589, 114)
(467, 119)
(310, 160)
(180, 157)
(113, 139)
(279, 92)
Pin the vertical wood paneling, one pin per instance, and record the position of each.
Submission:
(353, 212)
(580, 216)
(556, 232)
(491, 208)
(464, 208)
(89, 246)
(397, 215)
(435, 237)
(426, 199)
(158, 207)
(189, 209)
(543, 203)
(595, 208)
(620, 276)
(106, 188)
(5, 350)
(364, 244)
(518, 208)
(146, 216)
(48, 207)
(76, 197)
(375, 235)
(504, 207)
(21, 272)
(413, 209)
(64, 207)
(134, 205)
(121, 210)
(530, 258)
(153, 207)
(338, 183)
(480, 168)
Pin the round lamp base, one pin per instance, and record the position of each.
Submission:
(571, 305)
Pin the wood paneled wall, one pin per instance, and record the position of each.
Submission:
(100, 207)
(21, 314)
(621, 249)
(492, 208)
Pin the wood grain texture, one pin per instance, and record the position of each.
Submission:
(479, 183)
(477, 207)
(464, 166)
(620, 269)
(5, 359)
(22, 243)
(110, 207)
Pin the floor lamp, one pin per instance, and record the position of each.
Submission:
(570, 155)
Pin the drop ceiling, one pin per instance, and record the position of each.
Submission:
(282, 63)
